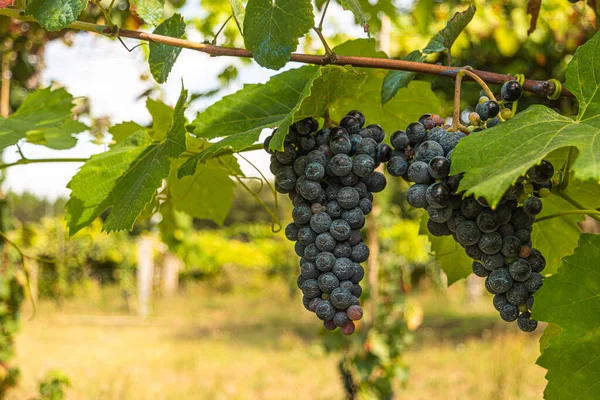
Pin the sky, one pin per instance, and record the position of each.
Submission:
(103, 71)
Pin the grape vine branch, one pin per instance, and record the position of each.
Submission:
(542, 88)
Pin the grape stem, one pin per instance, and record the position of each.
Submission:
(591, 213)
(575, 203)
(541, 88)
(214, 41)
(456, 125)
(42, 160)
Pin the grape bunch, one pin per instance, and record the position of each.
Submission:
(329, 174)
(497, 239)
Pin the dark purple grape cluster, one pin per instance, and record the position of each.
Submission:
(329, 174)
(497, 239)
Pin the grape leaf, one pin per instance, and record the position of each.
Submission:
(207, 194)
(396, 80)
(329, 84)
(272, 29)
(364, 47)
(571, 299)
(409, 104)
(93, 183)
(354, 7)
(54, 15)
(41, 110)
(57, 138)
(551, 331)
(544, 237)
(493, 159)
(121, 131)
(412, 102)
(450, 255)
(445, 38)
(149, 10)
(162, 116)
(136, 187)
(239, 13)
(162, 57)
(285, 99)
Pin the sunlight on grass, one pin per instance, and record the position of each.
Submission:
(261, 346)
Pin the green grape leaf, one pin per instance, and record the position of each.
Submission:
(450, 255)
(54, 15)
(364, 47)
(354, 7)
(285, 99)
(162, 57)
(493, 159)
(571, 299)
(92, 185)
(162, 116)
(551, 331)
(207, 194)
(445, 38)
(409, 104)
(136, 187)
(254, 107)
(59, 138)
(239, 13)
(396, 80)
(544, 237)
(149, 10)
(329, 84)
(122, 131)
(272, 29)
(41, 110)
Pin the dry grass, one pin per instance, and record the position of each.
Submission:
(253, 346)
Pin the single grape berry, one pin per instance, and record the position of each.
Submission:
(325, 310)
(340, 319)
(520, 270)
(536, 260)
(511, 91)
(511, 246)
(360, 253)
(327, 282)
(500, 301)
(397, 166)
(416, 133)
(439, 167)
(532, 206)
(363, 165)
(525, 323)
(309, 270)
(488, 221)
(320, 222)
(416, 196)
(343, 268)
(355, 312)
(534, 283)
(490, 243)
(348, 329)
(418, 172)
(325, 261)
(340, 230)
(492, 261)
(310, 288)
(517, 294)
(468, 233)
(498, 281)
(438, 229)
(341, 298)
(509, 312)
(399, 140)
(479, 270)
(438, 195)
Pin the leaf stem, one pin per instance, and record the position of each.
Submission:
(328, 50)
(591, 213)
(533, 86)
(564, 178)
(323, 15)
(25, 161)
(214, 41)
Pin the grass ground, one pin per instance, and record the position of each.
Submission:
(262, 346)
